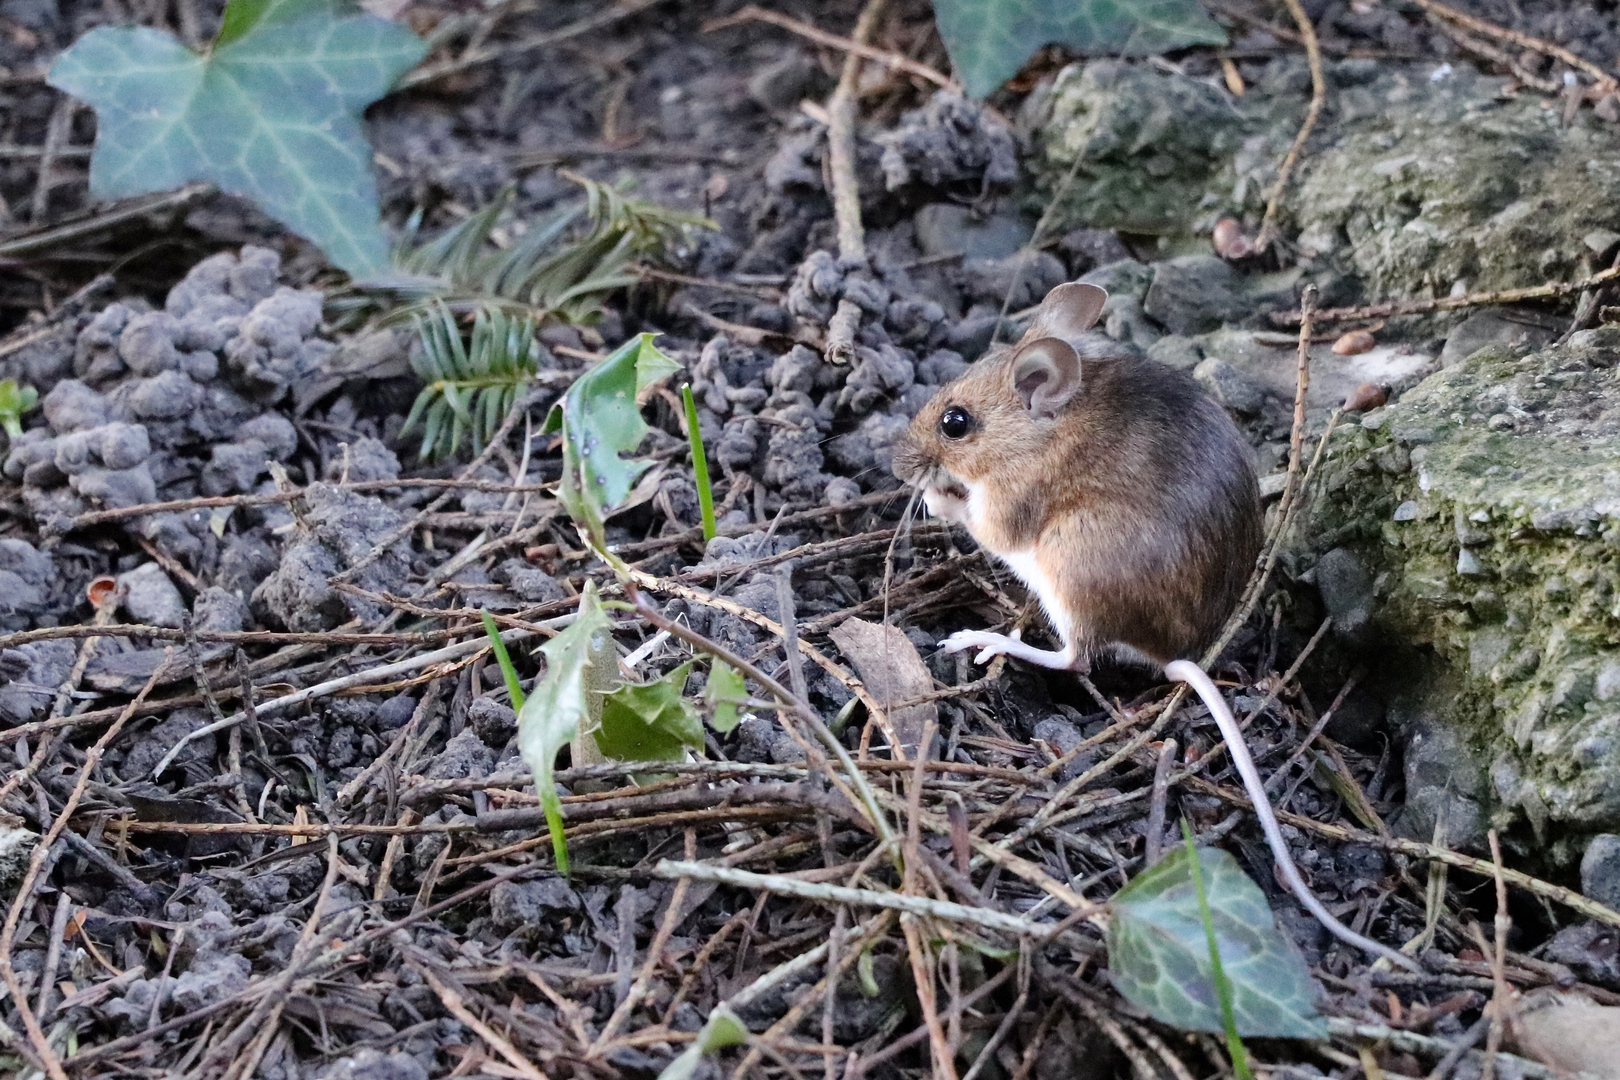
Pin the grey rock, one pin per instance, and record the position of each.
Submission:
(234, 467)
(1087, 249)
(531, 584)
(951, 141)
(170, 395)
(95, 352)
(1144, 146)
(841, 490)
(29, 676)
(1590, 949)
(253, 277)
(121, 445)
(1600, 870)
(342, 527)
(1192, 294)
(247, 560)
(32, 566)
(1494, 327)
(1016, 281)
(212, 976)
(786, 82)
(463, 756)
(793, 456)
(73, 406)
(150, 597)
(494, 722)
(1127, 277)
(514, 905)
(370, 1064)
(147, 343)
(1062, 735)
(114, 488)
(204, 280)
(971, 337)
(870, 446)
(940, 367)
(1176, 351)
(1445, 781)
(761, 740)
(368, 460)
(878, 376)
(18, 599)
(202, 366)
(953, 229)
(1347, 591)
(155, 743)
(1230, 386)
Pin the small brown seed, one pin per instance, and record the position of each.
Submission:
(1366, 396)
(1354, 343)
(1230, 240)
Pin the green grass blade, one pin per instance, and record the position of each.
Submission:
(700, 463)
(508, 672)
(1223, 985)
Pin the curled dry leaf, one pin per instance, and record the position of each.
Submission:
(888, 664)
(1366, 396)
(1569, 1032)
(1230, 241)
(1354, 343)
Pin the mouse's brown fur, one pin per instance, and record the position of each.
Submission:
(1135, 498)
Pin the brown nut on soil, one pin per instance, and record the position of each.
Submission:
(1354, 342)
(1230, 241)
(1366, 396)
(101, 590)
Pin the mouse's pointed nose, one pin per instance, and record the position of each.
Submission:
(909, 462)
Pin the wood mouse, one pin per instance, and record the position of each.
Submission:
(1121, 494)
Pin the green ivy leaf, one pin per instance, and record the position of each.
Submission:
(650, 721)
(600, 419)
(725, 694)
(989, 40)
(1158, 952)
(581, 664)
(271, 112)
(15, 401)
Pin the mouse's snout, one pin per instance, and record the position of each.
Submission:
(909, 461)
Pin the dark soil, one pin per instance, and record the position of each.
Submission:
(360, 884)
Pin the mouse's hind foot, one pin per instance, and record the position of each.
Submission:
(992, 645)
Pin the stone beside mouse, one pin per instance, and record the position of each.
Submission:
(1122, 496)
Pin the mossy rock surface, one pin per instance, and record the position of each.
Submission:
(1412, 185)
(1484, 510)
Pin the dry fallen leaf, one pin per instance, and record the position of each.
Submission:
(1570, 1033)
(889, 665)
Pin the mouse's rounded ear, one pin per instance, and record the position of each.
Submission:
(1068, 310)
(1046, 376)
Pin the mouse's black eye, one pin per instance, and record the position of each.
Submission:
(955, 423)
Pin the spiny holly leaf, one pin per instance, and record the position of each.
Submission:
(600, 420)
(724, 693)
(650, 721)
(989, 40)
(581, 663)
(1158, 952)
(271, 112)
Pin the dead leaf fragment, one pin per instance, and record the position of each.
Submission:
(1569, 1032)
(889, 665)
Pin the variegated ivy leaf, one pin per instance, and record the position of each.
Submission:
(1158, 952)
(270, 112)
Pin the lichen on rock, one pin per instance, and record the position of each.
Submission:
(1484, 506)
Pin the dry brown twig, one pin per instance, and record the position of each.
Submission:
(1313, 54)
(888, 57)
(1524, 41)
(1390, 308)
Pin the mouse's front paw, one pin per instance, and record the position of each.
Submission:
(990, 645)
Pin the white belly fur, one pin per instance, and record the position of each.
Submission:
(1023, 564)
